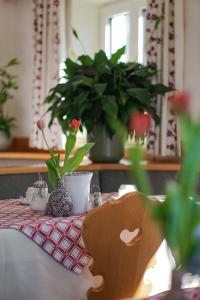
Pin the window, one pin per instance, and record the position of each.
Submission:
(142, 36)
(124, 23)
(117, 34)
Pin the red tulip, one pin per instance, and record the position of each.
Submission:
(180, 101)
(139, 124)
(40, 124)
(75, 124)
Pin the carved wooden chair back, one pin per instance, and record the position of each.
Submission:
(122, 238)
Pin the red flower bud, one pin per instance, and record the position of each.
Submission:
(139, 124)
(40, 124)
(180, 101)
(75, 124)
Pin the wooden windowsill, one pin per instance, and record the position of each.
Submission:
(26, 155)
(32, 167)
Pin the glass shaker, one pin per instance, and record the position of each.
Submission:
(96, 196)
(40, 195)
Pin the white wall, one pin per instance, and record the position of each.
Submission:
(16, 41)
(192, 53)
(84, 17)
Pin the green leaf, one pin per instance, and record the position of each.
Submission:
(158, 22)
(3, 97)
(12, 62)
(70, 143)
(84, 80)
(171, 210)
(100, 57)
(6, 124)
(161, 89)
(118, 127)
(139, 173)
(124, 97)
(117, 55)
(190, 166)
(142, 95)
(52, 174)
(100, 88)
(57, 160)
(75, 33)
(85, 107)
(109, 105)
(61, 88)
(101, 61)
(85, 60)
(72, 163)
(188, 131)
(145, 72)
(71, 68)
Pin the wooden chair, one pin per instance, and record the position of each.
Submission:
(121, 261)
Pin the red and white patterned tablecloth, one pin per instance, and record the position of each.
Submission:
(59, 237)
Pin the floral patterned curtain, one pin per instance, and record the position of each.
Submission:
(165, 50)
(46, 36)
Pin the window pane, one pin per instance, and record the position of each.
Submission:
(117, 34)
(142, 37)
(107, 38)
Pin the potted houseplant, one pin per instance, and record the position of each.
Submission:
(100, 91)
(179, 214)
(70, 189)
(7, 85)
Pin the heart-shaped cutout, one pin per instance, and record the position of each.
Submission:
(98, 283)
(130, 237)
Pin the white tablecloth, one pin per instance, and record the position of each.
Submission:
(28, 273)
(36, 276)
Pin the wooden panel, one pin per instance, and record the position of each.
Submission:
(20, 144)
(121, 264)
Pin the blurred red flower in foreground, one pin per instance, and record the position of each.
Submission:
(40, 124)
(75, 123)
(139, 124)
(180, 101)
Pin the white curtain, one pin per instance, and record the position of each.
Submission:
(165, 49)
(47, 15)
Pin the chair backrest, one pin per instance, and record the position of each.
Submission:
(121, 264)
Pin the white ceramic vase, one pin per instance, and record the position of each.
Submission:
(78, 184)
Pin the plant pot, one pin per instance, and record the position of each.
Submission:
(78, 184)
(5, 142)
(106, 149)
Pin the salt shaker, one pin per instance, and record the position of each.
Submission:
(96, 196)
(29, 193)
(40, 195)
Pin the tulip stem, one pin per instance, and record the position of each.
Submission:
(52, 155)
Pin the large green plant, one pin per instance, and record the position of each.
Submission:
(98, 90)
(7, 85)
